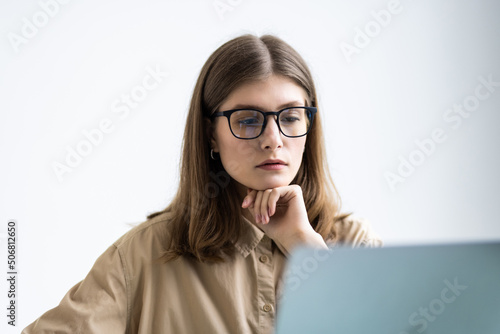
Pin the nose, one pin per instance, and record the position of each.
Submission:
(270, 139)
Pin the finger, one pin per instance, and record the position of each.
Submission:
(272, 201)
(264, 205)
(257, 201)
(249, 198)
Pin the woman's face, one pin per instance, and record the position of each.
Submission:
(243, 159)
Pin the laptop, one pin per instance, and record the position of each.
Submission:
(446, 288)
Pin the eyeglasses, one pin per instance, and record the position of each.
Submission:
(250, 123)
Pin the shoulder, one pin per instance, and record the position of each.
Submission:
(148, 236)
(354, 231)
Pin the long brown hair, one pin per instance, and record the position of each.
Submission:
(206, 211)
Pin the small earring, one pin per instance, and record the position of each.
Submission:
(212, 154)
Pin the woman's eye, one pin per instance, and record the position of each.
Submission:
(290, 119)
(249, 121)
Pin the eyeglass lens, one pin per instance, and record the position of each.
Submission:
(248, 123)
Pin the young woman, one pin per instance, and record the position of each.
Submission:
(254, 184)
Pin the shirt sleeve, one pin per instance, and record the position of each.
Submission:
(98, 304)
(356, 232)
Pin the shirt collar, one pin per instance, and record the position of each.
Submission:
(250, 236)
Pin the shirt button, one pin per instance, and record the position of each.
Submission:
(267, 307)
(264, 258)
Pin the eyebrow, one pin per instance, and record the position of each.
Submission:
(253, 106)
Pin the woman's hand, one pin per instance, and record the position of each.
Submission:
(281, 213)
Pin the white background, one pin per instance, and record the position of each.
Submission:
(396, 90)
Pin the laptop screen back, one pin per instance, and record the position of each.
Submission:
(413, 289)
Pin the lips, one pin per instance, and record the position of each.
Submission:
(271, 162)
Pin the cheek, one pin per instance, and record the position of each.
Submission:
(297, 150)
(236, 155)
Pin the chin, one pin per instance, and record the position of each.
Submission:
(271, 184)
(264, 183)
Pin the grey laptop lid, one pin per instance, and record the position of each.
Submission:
(393, 290)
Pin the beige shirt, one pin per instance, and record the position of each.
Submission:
(127, 292)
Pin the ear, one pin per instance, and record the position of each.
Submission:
(210, 129)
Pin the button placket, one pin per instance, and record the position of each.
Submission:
(266, 284)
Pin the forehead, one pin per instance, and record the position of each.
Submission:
(272, 93)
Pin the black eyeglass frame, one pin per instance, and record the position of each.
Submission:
(228, 113)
